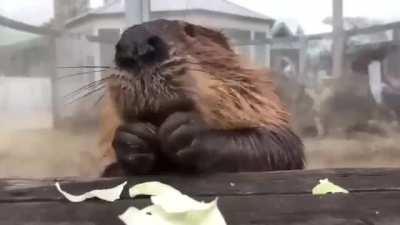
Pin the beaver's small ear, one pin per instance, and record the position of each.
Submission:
(190, 30)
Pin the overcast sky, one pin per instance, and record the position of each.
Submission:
(308, 13)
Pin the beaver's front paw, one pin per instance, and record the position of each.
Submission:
(136, 147)
(195, 148)
(179, 136)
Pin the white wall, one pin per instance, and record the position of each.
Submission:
(91, 26)
(221, 21)
(25, 103)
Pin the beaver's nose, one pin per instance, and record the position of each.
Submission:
(138, 49)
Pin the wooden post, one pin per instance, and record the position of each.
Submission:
(268, 55)
(252, 48)
(338, 38)
(396, 34)
(55, 96)
(137, 11)
(396, 55)
(146, 10)
(302, 59)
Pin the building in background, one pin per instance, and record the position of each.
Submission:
(63, 10)
(107, 22)
(25, 84)
(238, 23)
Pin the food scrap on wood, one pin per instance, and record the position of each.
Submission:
(110, 194)
(169, 206)
(325, 187)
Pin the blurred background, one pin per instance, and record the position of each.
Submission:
(337, 66)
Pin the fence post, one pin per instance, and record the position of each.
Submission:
(303, 58)
(137, 11)
(268, 55)
(252, 48)
(54, 81)
(395, 59)
(338, 38)
(396, 34)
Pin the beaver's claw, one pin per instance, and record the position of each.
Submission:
(135, 146)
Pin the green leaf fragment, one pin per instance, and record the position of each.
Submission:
(171, 207)
(151, 188)
(155, 215)
(325, 187)
(110, 194)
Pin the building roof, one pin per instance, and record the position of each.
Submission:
(222, 6)
(10, 36)
(218, 6)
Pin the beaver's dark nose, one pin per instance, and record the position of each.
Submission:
(138, 48)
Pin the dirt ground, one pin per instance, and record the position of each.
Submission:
(362, 151)
(49, 153)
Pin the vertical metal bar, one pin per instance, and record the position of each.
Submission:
(146, 9)
(137, 11)
(396, 34)
(338, 38)
(252, 48)
(303, 59)
(54, 82)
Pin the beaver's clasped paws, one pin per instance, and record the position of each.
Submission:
(135, 145)
(187, 142)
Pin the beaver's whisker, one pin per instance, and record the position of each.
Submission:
(86, 87)
(173, 62)
(234, 68)
(84, 67)
(86, 95)
(197, 70)
(99, 100)
(79, 74)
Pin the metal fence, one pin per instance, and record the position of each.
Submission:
(293, 56)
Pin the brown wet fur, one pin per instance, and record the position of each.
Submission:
(110, 121)
(212, 81)
(228, 93)
(231, 97)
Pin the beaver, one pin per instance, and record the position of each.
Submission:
(181, 100)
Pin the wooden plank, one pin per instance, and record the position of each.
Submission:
(268, 183)
(374, 29)
(302, 59)
(13, 24)
(284, 40)
(46, 31)
(355, 208)
(273, 198)
(328, 35)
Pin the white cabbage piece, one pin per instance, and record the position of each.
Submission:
(138, 217)
(110, 194)
(171, 207)
(151, 188)
(325, 186)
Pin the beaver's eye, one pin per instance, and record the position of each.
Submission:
(154, 41)
(190, 30)
(156, 50)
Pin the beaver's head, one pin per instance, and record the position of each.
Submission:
(165, 66)
(149, 45)
(150, 57)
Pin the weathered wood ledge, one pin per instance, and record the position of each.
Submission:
(282, 197)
